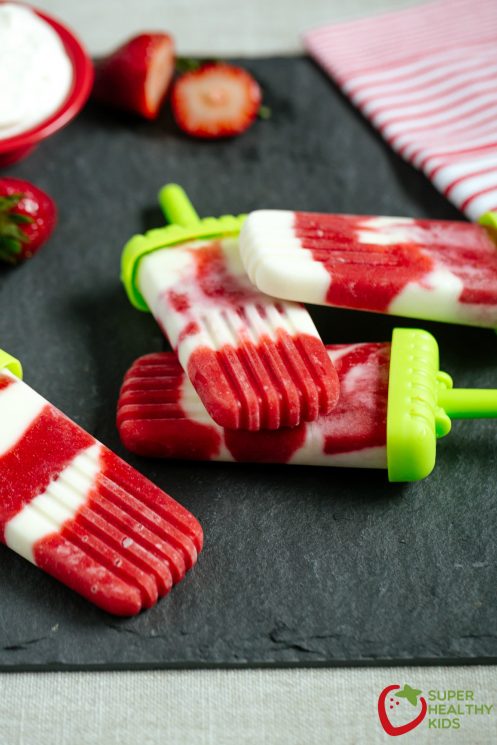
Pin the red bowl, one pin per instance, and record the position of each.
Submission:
(17, 147)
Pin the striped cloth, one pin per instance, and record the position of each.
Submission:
(426, 77)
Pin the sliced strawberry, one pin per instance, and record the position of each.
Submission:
(217, 100)
(136, 76)
(27, 219)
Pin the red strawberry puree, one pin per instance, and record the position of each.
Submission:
(370, 276)
(159, 415)
(273, 375)
(150, 417)
(125, 546)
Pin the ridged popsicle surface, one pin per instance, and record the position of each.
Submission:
(73, 508)
(433, 269)
(256, 363)
(160, 415)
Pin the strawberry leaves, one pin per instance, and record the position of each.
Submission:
(27, 218)
(12, 237)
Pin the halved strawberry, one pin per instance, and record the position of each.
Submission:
(136, 76)
(217, 100)
(27, 219)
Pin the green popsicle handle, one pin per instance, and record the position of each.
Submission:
(185, 226)
(489, 220)
(465, 403)
(176, 207)
(421, 403)
(7, 362)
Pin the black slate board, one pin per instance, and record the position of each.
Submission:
(300, 566)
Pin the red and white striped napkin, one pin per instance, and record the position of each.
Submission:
(426, 77)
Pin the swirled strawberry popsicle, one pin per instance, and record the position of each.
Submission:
(255, 362)
(394, 404)
(439, 270)
(160, 415)
(80, 513)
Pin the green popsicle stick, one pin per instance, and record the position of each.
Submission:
(176, 206)
(466, 403)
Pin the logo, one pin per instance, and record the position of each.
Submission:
(396, 705)
(401, 710)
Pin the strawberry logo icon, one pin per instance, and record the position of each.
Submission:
(388, 702)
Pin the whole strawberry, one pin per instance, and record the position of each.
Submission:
(27, 219)
(215, 100)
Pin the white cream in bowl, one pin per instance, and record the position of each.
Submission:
(35, 72)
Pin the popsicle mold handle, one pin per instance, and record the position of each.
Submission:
(414, 417)
(185, 226)
(421, 403)
(176, 207)
(7, 362)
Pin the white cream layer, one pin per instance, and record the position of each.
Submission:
(312, 453)
(275, 260)
(20, 405)
(385, 231)
(35, 72)
(60, 501)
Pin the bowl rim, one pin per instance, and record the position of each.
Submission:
(78, 93)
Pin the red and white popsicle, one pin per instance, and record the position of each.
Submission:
(160, 415)
(73, 508)
(256, 362)
(430, 269)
